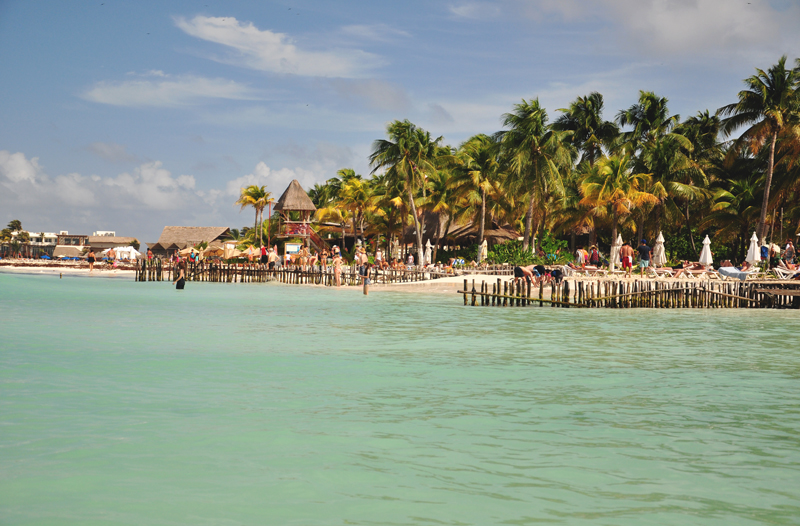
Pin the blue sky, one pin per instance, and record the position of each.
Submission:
(129, 116)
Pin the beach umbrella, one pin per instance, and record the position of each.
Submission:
(659, 254)
(614, 256)
(706, 259)
(428, 248)
(188, 250)
(213, 250)
(753, 252)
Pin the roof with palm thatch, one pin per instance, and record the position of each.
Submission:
(182, 236)
(295, 198)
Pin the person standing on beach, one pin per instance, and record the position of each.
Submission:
(626, 257)
(263, 254)
(91, 259)
(594, 257)
(180, 281)
(644, 256)
(272, 257)
(337, 269)
(580, 259)
(149, 254)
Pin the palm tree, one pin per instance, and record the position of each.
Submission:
(15, 225)
(612, 184)
(258, 198)
(357, 196)
(478, 169)
(590, 133)
(410, 154)
(770, 103)
(443, 200)
(534, 153)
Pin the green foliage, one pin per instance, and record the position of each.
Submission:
(510, 252)
(468, 254)
(678, 247)
(554, 249)
(135, 244)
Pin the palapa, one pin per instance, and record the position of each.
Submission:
(295, 199)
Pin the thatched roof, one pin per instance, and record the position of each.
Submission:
(68, 251)
(295, 199)
(182, 236)
(469, 233)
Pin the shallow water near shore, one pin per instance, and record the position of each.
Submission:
(132, 403)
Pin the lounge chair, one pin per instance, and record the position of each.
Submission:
(662, 272)
(783, 273)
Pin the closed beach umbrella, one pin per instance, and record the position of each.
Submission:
(659, 254)
(614, 256)
(706, 259)
(753, 252)
(428, 248)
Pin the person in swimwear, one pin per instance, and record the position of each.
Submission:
(337, 269)
(91, 258)
(180, 281)
(528, 273)
(626, 257)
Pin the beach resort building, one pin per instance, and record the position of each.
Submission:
(69, 245)
(174, 238)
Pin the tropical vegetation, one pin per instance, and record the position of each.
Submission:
(723, 173)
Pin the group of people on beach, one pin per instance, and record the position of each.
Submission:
(772, 256)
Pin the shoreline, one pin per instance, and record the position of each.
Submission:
(67, 271)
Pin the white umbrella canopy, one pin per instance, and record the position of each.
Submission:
(614, 256)
(124, 253)
(753, 252)
(706, 259)
(659, 254)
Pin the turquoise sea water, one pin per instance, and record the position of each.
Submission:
(131, 403)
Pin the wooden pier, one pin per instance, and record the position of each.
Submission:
(626, 294)
(215, 272)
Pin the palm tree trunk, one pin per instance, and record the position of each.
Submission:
(438, 238)
(614, 228)
(526, 236)
(420, 251)
(770, 166)
(689, 229)
(482, 223)
(255, 225)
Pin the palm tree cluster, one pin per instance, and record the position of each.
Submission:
(257, 198)
(726, 173)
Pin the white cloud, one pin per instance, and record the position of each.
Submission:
(276, 181)
(157, 89)
(15, 168)
(376, 94)
(682, 26)
(148, 187)
(153, 186)
(266, 50)
(376, 32)
(475, 10)
(111, 151)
